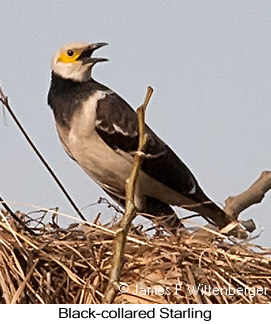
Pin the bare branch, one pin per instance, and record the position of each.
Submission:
(253, 195)
(130, 208)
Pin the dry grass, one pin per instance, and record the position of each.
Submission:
(72, 266)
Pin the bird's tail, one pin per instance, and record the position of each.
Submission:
(211, 212)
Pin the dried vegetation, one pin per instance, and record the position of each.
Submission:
(72, 265)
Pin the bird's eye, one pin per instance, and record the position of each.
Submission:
(70, 52)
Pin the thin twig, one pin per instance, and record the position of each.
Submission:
(103, 229)
(14, 216)
(4, 100)
(130, 208)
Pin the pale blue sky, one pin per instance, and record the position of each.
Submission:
(209, 63)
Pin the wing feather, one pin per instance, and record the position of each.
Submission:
(117, 125)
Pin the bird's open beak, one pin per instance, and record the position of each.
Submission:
(85, 56)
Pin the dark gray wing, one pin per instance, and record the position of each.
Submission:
(117, 125)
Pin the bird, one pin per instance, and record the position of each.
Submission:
(99, 131)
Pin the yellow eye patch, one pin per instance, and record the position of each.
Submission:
(66, 58)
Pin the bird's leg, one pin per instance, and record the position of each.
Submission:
(162, 215)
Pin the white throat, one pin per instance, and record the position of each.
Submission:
(75, 71)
